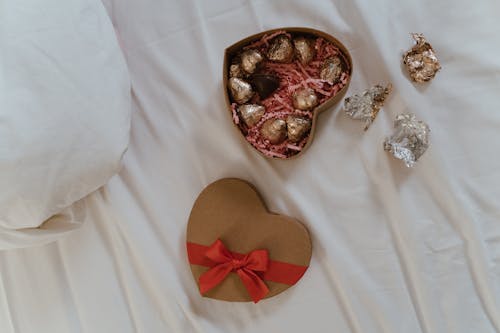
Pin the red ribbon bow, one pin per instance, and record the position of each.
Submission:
(246, 268)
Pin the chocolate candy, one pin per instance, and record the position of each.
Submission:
(265, 84)
(305, 99)
(236, 71)
(304, 49)
(409, 140)
(297, 127)
(421, 60)
(332, 69)
(365, 106)
(250, 60)
(281, 49)
(241, 91)
(274, 130)
(251, 113)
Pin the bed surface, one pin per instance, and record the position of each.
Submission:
(394, 249)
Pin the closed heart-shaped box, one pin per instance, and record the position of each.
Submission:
(230, 211)
(269, 122)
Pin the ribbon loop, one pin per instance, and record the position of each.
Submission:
(246, 268)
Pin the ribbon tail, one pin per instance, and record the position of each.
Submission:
(256, 288)
(213, 277)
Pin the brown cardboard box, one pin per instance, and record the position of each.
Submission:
(232, 210)
(232, 50)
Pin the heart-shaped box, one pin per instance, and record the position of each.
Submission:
(233, 50)
(231, 211)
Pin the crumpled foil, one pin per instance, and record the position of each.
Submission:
(410, 139)
(250, 60)
(281, 50)
(365, 106)
(421, 60)
(241, 91)
(251, 113)
(305, 99)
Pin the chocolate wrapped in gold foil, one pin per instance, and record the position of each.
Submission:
(236, 71)
(409, 140)
(251, 113)
(365, 106)
(250, 60)
(281, 49)
(241, 91)
(274, 130)
(332, 69)
(421, 60)
(297, 127)
(304, 49)
(305, 99)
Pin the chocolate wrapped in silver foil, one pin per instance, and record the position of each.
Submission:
(241, 91)
(305, 99)
(365, 106)
(304, 49)
(421, 60)
(297, 127)
(281, 49)
(331, 70)
(250, 61)
(409, 140)
(274, 130)
(251, 113)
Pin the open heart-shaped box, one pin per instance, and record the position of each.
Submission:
(229, 213)
(292, 76)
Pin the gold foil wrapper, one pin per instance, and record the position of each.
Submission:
(410, 139)
(297, 127)
(421, 60)
(332, 70)
(281, 50)
(241, 91)
(366, 105)
(305, 99)
(250, 61)
(236, 71)
(304, 49)
(251, 113)
(274, 130)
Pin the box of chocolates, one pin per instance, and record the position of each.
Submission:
(277, 82)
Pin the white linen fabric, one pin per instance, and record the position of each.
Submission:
(395, 249)
(64, 114)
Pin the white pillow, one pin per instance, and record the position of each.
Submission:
(64, 112)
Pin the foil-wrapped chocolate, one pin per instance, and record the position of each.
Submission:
(365, 106)
(421, 60)
(281, 49)
(251, 113)
(236, 71)
(265, 84)
(332, 69)
(297, 127)
(274, 130)
(305, 99)
(304, 49)
(409, 140)
(241, 91)
(250, 60)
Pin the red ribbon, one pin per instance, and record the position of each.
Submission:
(252, 268)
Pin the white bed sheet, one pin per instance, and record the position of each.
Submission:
(395, 250)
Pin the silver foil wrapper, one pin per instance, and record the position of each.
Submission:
(304, 49)
(250, 61)
(409, 140)
(297, 127)
(421, 60)
(332, 69)
(366, 105)
(251, 113)
(274, 130)
(305, 99)
(241, 91)
(281, 50)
